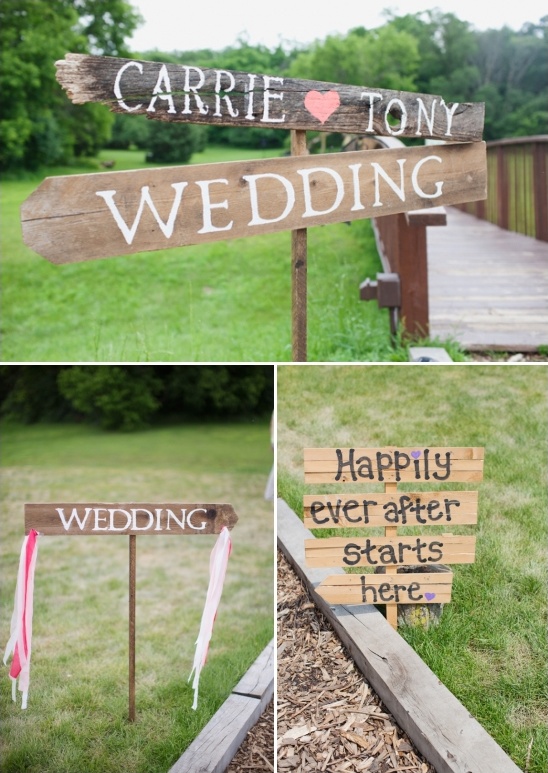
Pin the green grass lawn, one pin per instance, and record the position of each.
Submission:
(78, 702)
(490, 648)
(225, 301)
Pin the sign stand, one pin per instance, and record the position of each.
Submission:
(299, 255)
(132, 597)
(391, 531)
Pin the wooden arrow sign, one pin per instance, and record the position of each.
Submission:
(184, 93)
(148, 519)
(82, 217)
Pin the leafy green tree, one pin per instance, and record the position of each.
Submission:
(169, 143)
(38, 124)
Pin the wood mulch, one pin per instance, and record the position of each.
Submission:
(329, 718)
(257, 751)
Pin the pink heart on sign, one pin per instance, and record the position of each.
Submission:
(321, 106)
(415, 454)
(429, 596)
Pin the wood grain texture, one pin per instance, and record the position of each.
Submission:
(133, 518)
(441, 728)
(348, 589)
(184, 93)
(83, 217)
(343, 511)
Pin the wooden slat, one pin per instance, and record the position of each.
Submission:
(83, 217)
(457, 452)
(440, 727)
(346, 551)
(432, 588)
(185, 93)
(100, 518)
(459, 476)
(332, 511)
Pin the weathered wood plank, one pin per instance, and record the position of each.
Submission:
(352, 465)
(82, 217)
(332, 511)
(440, 727)
(391, 551)
(185, 93)
(412, 588)
(115, 518)
(218, 742)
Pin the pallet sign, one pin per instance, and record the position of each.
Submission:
(390, 510)
(83, 217)
(93, 519)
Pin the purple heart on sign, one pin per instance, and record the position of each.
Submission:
(429, 596)
(415, 454)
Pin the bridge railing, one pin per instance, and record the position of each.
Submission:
(517, 186)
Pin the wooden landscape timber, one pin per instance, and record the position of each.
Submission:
(439, 726)
(184, 93)
(218, 742)
(115, 518)
(83, 217)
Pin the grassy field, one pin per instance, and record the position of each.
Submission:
(78, 702)
(225, 301)
(490, 648)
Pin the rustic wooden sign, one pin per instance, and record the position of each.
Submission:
(108, 519)
(391, 509)
(99, 518)
(82, 217)
(378, 465)
(184, 93)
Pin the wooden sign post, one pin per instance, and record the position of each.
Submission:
(83, 217)
(93, 519)
(391, 510)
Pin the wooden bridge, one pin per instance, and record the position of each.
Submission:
(480, 279)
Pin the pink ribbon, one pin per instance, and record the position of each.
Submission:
(218, 561)
(20, 641)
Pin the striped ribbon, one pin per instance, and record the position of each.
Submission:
(218, 561)
(20, 641)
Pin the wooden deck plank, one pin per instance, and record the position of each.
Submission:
(436, 722)
(488, 288)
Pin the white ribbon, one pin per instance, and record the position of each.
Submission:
(218, 561)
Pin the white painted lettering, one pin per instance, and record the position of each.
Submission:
(117, 89)
(268, 97)
(372, 95)
(429, 120)
(449, 111)
(207, 206)
(129, 232)
(189, 517)
(112, 525)
(99, 519)
(163, 79)
(218, 88)
(252, 179)
(415, 181)
(134, 515)
(309, 210)
(250, 92)
(172, 517)
(202, 107)
(355, 168)
(403, 118)
(379, 172)
(73, 517)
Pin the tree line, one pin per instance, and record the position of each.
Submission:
(429, 52)
(128, 397)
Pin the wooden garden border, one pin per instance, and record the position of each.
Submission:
(214, 748)
(435, 721)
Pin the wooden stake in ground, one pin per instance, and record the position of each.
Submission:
(299, 256)
(391, 531)
(132, 572)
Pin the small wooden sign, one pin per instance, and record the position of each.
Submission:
(392, 464)
(190, 94)
(390, 510)
(114, 518)
(412, 588)
(82, 217)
